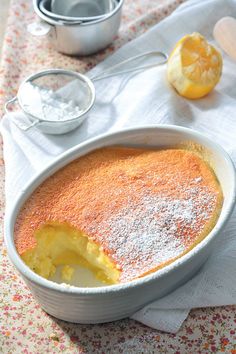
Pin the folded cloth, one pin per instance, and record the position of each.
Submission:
(146, 98)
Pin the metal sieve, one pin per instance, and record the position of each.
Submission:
(57, 100)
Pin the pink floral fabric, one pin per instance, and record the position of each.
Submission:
(24, 326)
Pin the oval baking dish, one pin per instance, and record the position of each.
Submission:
(108, 303)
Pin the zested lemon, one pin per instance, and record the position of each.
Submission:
(194, 66)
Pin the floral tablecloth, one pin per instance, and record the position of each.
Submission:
(24, 327)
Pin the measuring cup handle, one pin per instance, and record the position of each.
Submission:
(39, 28)
(21, 125)
(109, 72)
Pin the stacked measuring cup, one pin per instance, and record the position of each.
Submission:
(77, 27)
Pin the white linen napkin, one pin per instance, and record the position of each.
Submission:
(146, 98)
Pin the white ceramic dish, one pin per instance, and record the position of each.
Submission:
(108, 303)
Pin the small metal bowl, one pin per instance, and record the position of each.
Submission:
(75, 38)
(77, 10)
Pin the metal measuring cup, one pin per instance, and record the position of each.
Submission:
(75, 10)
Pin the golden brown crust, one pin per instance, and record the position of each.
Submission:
(145, 207)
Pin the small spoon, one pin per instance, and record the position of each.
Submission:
(224, 33)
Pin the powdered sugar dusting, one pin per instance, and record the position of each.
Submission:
(156, 229)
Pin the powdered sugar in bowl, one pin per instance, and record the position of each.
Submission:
(55, 100)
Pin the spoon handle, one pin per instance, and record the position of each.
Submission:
(225, 33)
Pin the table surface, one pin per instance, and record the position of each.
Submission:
(4, 6)
(24, 326)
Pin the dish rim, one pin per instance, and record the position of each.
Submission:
(78, 151)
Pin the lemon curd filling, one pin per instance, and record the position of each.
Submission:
(60, 244)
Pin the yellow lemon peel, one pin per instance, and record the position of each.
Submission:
(194, 66)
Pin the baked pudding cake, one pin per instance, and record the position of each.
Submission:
(121, 212)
